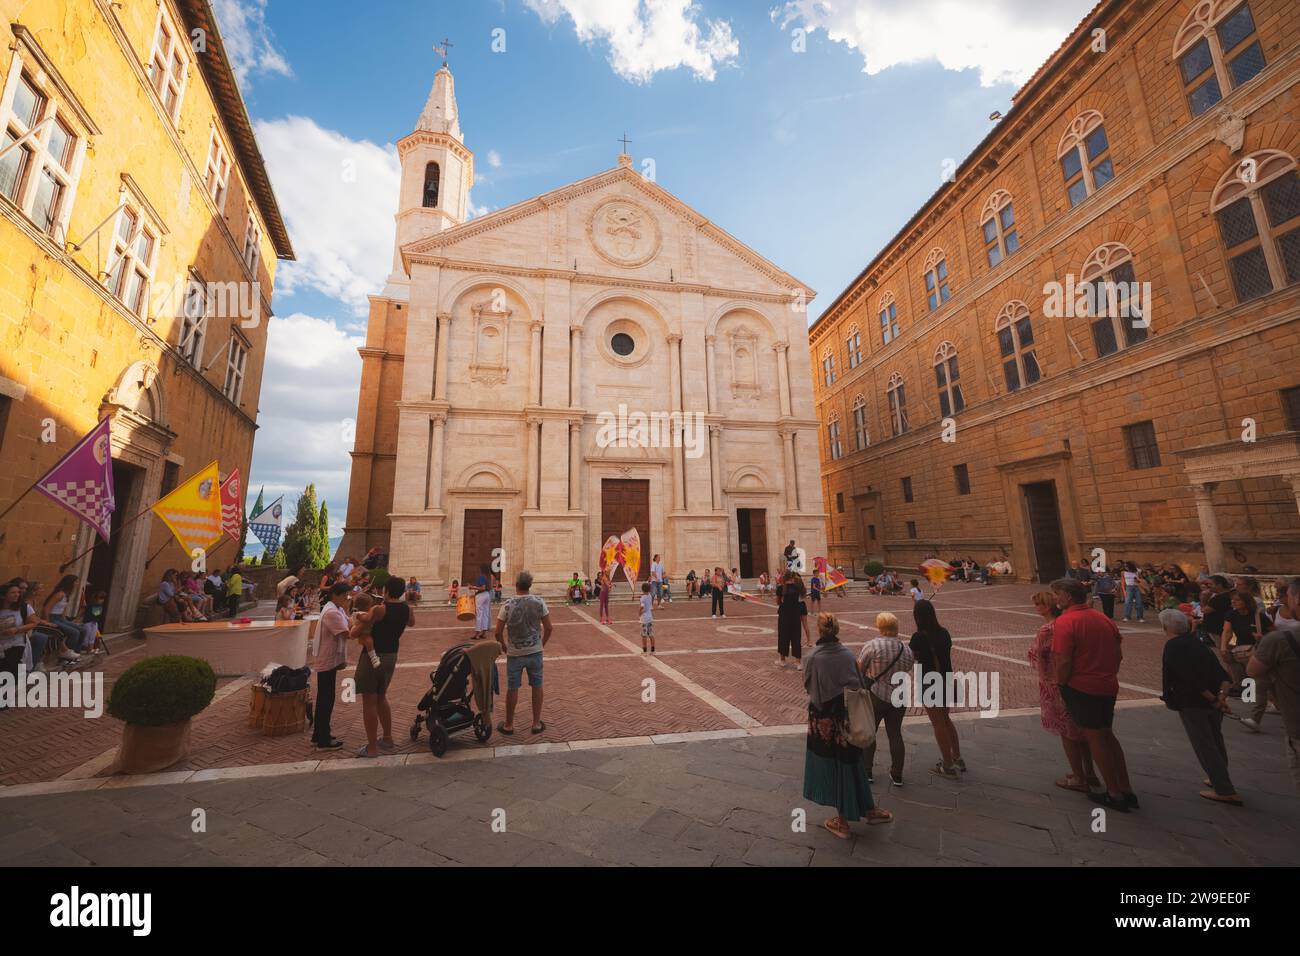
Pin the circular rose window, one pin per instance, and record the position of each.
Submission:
(622, 344)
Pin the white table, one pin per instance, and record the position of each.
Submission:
(233, 650)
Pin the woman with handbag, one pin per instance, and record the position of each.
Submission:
(1244, 626)
(834, 773)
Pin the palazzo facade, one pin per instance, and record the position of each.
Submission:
(972, 404)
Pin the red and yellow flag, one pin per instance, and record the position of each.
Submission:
(193, 510)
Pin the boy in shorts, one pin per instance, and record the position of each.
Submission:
(647, 618)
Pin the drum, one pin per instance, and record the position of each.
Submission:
(465, 607)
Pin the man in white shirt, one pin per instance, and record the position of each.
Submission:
(331, 657)
(657, 580)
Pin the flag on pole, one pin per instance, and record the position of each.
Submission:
(232, 499)
(82, 481)
(193, 510)
(265, 525)
(257, 507)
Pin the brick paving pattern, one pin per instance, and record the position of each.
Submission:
(593, 681)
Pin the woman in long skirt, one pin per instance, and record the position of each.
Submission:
(483, 602)
(834, 774)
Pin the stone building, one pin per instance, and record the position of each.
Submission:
(970, 401)
(138, 244)
(505, 351)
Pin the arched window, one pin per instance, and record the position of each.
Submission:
(946, 374)
(432, 176)
(1114, 301)
(828, 367)
(1257, 204)
(854, 343)
(833, 436)
(897, 404)
(998, 221)
(888, 318)
(1016, 344)
(1217, 50)
(861, 437)
(936, 278)
(1084, 154)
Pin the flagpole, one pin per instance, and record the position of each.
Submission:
(76, 558)
(206, 551)
(14, 504)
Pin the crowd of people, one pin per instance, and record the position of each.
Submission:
(42, 632)
(1233, 648)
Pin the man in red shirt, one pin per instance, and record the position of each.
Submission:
(1086, 646)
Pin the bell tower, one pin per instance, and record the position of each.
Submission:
(437, 173)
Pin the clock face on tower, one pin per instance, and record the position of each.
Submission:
(624, 233)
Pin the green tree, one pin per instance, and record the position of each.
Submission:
(300, 539)
(320, 555)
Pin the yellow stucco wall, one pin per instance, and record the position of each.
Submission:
(64, 341)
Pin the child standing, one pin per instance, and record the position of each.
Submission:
(815, 594)
(916, 592)
(647, 618)
(453, 592)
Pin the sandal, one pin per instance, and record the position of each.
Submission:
(1232, 801)
(541, 729)
(878, 815)
(501, 728)
(843, 834)
(1065, 783)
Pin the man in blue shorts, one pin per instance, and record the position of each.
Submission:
(523, 628)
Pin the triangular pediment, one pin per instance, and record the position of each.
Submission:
(615, 223)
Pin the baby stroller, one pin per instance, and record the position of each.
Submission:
(448, 707)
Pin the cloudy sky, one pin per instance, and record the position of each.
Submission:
(809, 129)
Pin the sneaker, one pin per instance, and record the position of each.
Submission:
(1102, 798)
(897, 781)
(800, 666)
(332, 745)
(960, 764)
(939, 770)
(714, 616)
(1250, 724)
(1131, 801)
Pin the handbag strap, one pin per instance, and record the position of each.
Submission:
(870, 682)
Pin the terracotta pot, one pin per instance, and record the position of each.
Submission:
(151, 749)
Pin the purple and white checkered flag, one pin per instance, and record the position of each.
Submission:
(82, 481)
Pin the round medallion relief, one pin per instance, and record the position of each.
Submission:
(624, 233)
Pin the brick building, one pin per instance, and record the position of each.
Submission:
(971, 401)
(138, 242)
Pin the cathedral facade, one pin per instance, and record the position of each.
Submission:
(594, 360)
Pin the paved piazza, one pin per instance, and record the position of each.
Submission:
(708, 774)
(709, 676)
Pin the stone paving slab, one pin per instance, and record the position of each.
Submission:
(722, 802)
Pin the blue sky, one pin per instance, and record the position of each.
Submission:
(811, 131)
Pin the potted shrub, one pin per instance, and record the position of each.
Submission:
(379, 577)
(156, 699)
(874, 568)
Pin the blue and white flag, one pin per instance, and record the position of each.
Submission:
(265, 525)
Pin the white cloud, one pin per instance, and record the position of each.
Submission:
(249, 42)
(338, 196)
(1005, 40)
(494, 159)
(646, 36)
(310, 384)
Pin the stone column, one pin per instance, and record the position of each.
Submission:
(575, 366)
(1295, 487)
(715, 466)
(434, 500)
(675, 406)
(783, 377)
(535, 365)
(440, 376)
(575, 464)
(1209, 526)
(791, 481)
(710, 363)
(533, 481)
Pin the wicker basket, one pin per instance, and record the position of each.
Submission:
(278, 714)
